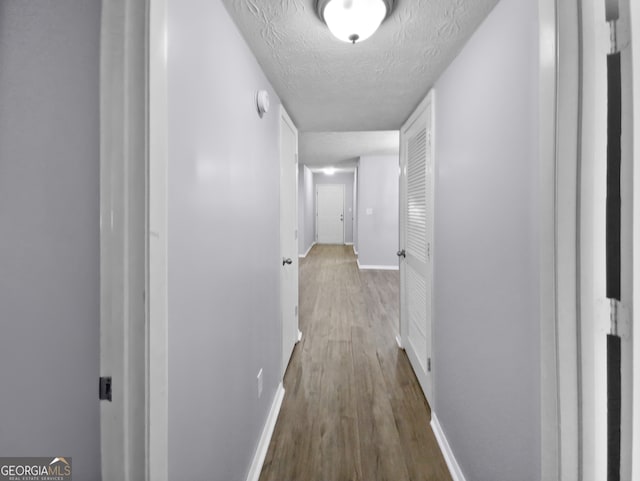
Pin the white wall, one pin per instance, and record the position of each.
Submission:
(346, 179)
(306, 210)
(486, 319)
(378, 211)
(49, 231)
(224, 254)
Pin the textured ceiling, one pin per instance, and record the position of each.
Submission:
(329, 85)
(342, 149)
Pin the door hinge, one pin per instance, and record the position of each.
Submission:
(105, 389)
(612, 15)
(428, 364)
(613, 316)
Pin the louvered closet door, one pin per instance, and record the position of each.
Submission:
(416, 240)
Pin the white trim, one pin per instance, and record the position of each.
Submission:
(291, 214)
(124, 144)
(378, 268)
(399, 341)
(594, 308)
(157, 369)
(348, 243)
(558, 124)
(560, 415)
(299, 335)
(302, 256)
(265, 437)
(549, 395)
(354, 250)
(452, 463)
(626, 308)
(635, 51)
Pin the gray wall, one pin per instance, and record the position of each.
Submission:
(378, 190)
(342, 178)
(49, 231)
(224, 259)
(306, 210)
(486, 325)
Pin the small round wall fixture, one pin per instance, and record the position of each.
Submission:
(353, 20)
(262, 102)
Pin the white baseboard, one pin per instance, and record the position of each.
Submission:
(354, 250)
(348, 243)
(265, 438)
(299, 335)
(399, 341)
(454, 467)
(308, 250)
(378, 268)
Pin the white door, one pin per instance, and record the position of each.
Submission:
(288, 236)
(330, 213)
(416, 241)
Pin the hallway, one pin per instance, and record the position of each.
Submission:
(152, 223)
(353, 409)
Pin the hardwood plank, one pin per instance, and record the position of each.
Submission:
(381, 454)
(353, 409)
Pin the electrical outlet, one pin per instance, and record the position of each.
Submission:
(259, 383)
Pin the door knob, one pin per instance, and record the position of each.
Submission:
(287, 261)
(401, 253)
(341, 217)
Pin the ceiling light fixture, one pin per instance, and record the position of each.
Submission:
(353, 20)
(329, 171)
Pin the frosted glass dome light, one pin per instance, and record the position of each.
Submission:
(353, 20)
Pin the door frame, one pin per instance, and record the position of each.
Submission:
(560, 87)
(133, 238)
(157, 280)
(123, 165)
(403, 328)
(569, 315)
(635, 49)
(286, 351)
(594, 306)
(343, 213)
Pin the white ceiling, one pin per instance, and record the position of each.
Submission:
(342, 149)
(334, 91)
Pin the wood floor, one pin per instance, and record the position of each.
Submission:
(353, 410)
